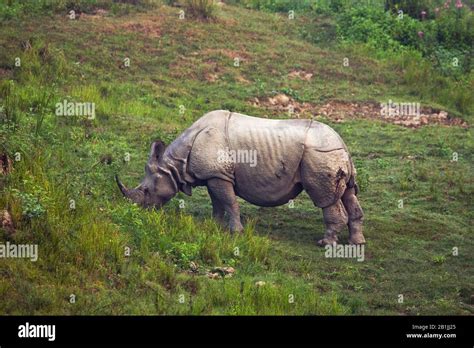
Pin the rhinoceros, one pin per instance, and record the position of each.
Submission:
(265, 162)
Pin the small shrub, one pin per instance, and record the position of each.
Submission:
(202, 9)
(183, 253)
(411, 8)
(31, 206)
(439, 259)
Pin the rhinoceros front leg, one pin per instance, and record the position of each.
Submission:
(335, 219)
(223, 193)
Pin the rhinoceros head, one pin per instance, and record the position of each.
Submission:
(156, 188)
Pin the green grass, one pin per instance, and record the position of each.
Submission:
(83, 250)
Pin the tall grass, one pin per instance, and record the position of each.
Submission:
(23, 8)
(428, 83)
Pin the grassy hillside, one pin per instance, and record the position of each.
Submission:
(116, 258)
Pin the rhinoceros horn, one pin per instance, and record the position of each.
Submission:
(136, 195)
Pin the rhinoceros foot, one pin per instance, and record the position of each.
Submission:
(357, 238)
(327, 241)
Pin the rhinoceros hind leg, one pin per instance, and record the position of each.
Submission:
(356, 215)
(335, 219)
(218, 210)
(224, 195)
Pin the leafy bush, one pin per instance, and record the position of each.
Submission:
(455, 28)
(412, 8)
(30, 204)
(370, 25)
(447, 38)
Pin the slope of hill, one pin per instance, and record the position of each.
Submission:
(150, 75)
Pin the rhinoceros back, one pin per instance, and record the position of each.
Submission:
(278, 146)
(267, 153)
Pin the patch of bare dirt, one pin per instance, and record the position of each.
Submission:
(150, 26)
(210, 67)
(97, 14)
(301, 74)
(214, 76)
(339, 111)
(242, 54)
(283, 103)
(147, 27)
(241, 79)
(210, 77)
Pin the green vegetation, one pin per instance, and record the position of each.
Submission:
(203, 9)
(431, 39)
(119, 259)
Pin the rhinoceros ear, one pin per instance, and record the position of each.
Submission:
(157, 149)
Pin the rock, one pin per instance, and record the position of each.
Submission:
(101, 12)
(443, 115)
(224, 272)
(213, 275)
(5, 164)
(193, 266)
(6, 222)
(212, 77)
(407, 123)
(279, 99)
(303, 75)
(106, 159)
(229, 270)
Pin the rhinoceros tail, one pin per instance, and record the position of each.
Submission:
(352, 182)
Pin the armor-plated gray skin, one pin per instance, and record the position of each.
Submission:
(291, 156)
